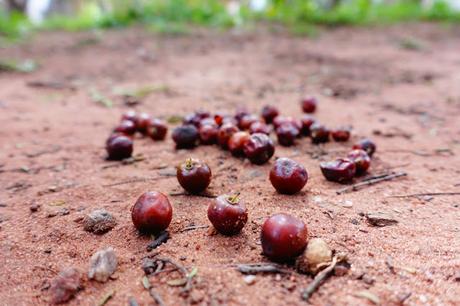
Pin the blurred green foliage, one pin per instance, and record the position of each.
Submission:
(176, 16)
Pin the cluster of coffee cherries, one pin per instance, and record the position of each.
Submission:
(119, 145)
(343, 170)
(283, 236)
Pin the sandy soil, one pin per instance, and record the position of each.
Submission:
(407, 100)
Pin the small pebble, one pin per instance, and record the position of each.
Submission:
(249, 279)
(99, 222)
(102, 265)
(64, 286)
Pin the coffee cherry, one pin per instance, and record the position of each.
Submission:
(283, 237)
(142, 123)
(228, 214)
(309, 104)
(194, 175)
(157, 129)
(219, 118)
(126, 127)
(152, 212)
(195, 118)
(185, 136)
(366, 145)
(319, 133)
(236, 143)
(259, 127)
(246, 121)
(225, 132)
(288, 176)
(208, 134)
(269, 113)
(361, 160)
(119, 147)
(341, 170)
(207, 121)
(129, 115)
(259, 148)
(341, 134)
(240, 113)
(307, 122)
(287, 133)
(278, 121)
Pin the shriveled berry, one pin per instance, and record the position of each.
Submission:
(319, 133)
(225, 132)
(157, 129)
(142, 123)
(247, 120)
(283, 237)
(228, 214)
(361, 159)
(366, 145)
(269, 113)
(341, 170)
(126, 127)
(309, 104)
(194, 175)
(259, 148)
(259, 127)
(236, 143)
(287, 133)
(130, 115)
(307, 122)
(119, 147)
(288, 176)
(185, 136)
(341, 134)
(208, 134)
(152, 212)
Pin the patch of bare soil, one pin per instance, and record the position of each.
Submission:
(53, 172)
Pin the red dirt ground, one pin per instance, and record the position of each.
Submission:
(407, 100)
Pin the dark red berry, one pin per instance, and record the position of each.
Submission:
(366, 145)
(341, 134)
(208, 133)
(361, 159)
(185, 136)
(194, 175)
(287, 133)
(236, 143)
(341, 170)
(229, 119)
(307, 122)
(259, 148)
(319, 133)
(119, 147)
(269, 113)
(225, 132)
(196, 117)
(309, 104)
(259, 127)
(283, 237)
(157, 129)
(126, 127)
(219, 118)
(129, 115)
(240, 113)
(278, 121)
(152, 212)
(247, 120)
(228, 214)
(142, 123)
(207, 121)
(288, 176)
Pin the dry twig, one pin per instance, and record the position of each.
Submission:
(260, 268)
(159, 240)
(373, 181)
(415, 195)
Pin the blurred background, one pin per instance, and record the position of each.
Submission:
(21, 17)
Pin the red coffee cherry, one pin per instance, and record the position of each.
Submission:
(259, 127)
(185, 136)
(119, 147)
(341, 134)
(361, 160)
(142, 123)
(247, 120)
(208, 134)
(228, 214)
(126, 127)
(288, 176)
(236, 143)
(194, 175)
(309, 104)
(307, 122)
(259, 148)
(319, 133)
(283, 237)
(366, 145)
(129, 115)
(225, 132)
(152, 212)
(287, 133)
(157, 129)
(269, 113)
(341, 170)
(195, 118)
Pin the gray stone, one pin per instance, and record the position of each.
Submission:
(102, 265)
(99, 221)
(64, 286)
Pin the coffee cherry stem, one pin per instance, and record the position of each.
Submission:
(234, 199)
(189, 163)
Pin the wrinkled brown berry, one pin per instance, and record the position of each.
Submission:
(361, 159)
(287, 133)
(259, 148)
(319, 133)
(288, 176)
(341, 170)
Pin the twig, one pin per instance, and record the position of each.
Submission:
(414, 195)
(318, 280)
(106, 298)
(43, 152)
(131, 181)
(51, 84)
(124, 162)
(370, 182)
(159, 240)
(203, 195)
(193, 227)
(156, 297)
(260, 268)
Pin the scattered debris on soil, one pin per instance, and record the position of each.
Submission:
(369, 182)
(103, 264)
(380, 219)
(99, 221)
(161, 238)
(65, 285)
(317, 256)
(255, 268)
